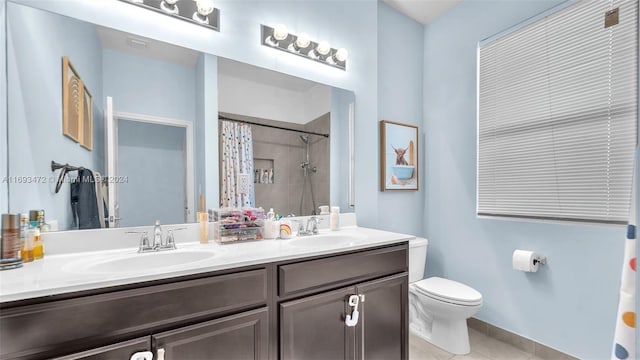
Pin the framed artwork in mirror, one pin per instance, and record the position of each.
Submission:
(398, 156)
(86, 134)
(77, 107)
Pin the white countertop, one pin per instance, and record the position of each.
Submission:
(65, 273)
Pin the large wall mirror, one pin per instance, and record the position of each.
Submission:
(150, 100)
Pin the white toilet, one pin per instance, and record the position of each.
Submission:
(439, 308)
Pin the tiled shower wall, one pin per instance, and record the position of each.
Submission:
(287, 151)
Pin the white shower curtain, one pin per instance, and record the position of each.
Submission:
(236, 165)
(624, 342)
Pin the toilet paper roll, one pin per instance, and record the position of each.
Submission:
(525, 261)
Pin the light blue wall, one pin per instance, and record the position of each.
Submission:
(148, 86)
(339, 148)
(570, 304)
(400, 69)
(151, 157)
(35, 105)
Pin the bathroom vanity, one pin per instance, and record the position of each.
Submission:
(270, 299)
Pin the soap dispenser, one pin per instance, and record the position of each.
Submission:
(334, 218)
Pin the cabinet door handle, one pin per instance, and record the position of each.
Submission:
(142, 355)
(352, 319)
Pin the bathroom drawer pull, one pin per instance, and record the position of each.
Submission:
(161, 354)
(142, 355)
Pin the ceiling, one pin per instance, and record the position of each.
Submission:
(244, 71)
(423, 11)
(141, 46)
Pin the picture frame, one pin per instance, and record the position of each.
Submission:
(86, 128)
(77, 107)
(399, 161)
(72, 100)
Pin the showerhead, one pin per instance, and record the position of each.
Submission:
(304, 138)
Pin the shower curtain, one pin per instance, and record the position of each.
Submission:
(236, 165)
(624, 340)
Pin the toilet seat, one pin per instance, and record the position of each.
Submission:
(449, 291)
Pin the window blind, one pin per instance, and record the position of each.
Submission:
(557, 116)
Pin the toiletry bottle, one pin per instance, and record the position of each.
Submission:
(271, 215)
(36, 240)
(334, 218)
(11, 244)
(203, 219)
(27, 246)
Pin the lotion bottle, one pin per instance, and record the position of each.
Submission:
(334, 218)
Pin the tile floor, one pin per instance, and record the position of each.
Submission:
(483, 347)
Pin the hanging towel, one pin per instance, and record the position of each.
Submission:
(625, 336)
(84, 203)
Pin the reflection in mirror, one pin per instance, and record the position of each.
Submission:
(286, 122)
(148, 146)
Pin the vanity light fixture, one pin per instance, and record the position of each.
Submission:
(170, 7)
(278, 37)
(203, 9)
(278, 34)
(201, 12)
(302, 42)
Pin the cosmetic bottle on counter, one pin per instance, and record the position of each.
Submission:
(27, 246)
(34, 238)
(11, 244)
(334, 218)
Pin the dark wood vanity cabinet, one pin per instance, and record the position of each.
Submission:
(289, 310)
(314, 327)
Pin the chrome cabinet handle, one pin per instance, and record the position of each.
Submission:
(161, 354)
(142, 355)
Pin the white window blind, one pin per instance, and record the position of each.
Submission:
(557, 116)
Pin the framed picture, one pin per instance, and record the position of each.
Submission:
(72, 100)
(398, 156)
(86, 127)
(77, 107)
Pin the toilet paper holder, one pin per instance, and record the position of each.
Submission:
(540, 259)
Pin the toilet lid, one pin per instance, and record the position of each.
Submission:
(449, 291)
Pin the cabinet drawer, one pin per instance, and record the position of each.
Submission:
(242, 336)
(335, 271)
(57, 327)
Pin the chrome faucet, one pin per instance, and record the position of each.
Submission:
(157, 244)
(312, 225)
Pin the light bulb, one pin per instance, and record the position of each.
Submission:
(302, 41)
(280, 32)
(169, 6)
(323, 48)
(205, 7)
(341, 55)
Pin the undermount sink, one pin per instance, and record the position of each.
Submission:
(143, 261)
(332, 238)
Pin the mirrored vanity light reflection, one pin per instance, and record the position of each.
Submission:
(138, 73)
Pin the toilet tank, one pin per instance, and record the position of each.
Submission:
(417, 258)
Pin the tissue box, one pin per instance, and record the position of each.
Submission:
(232, 224)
